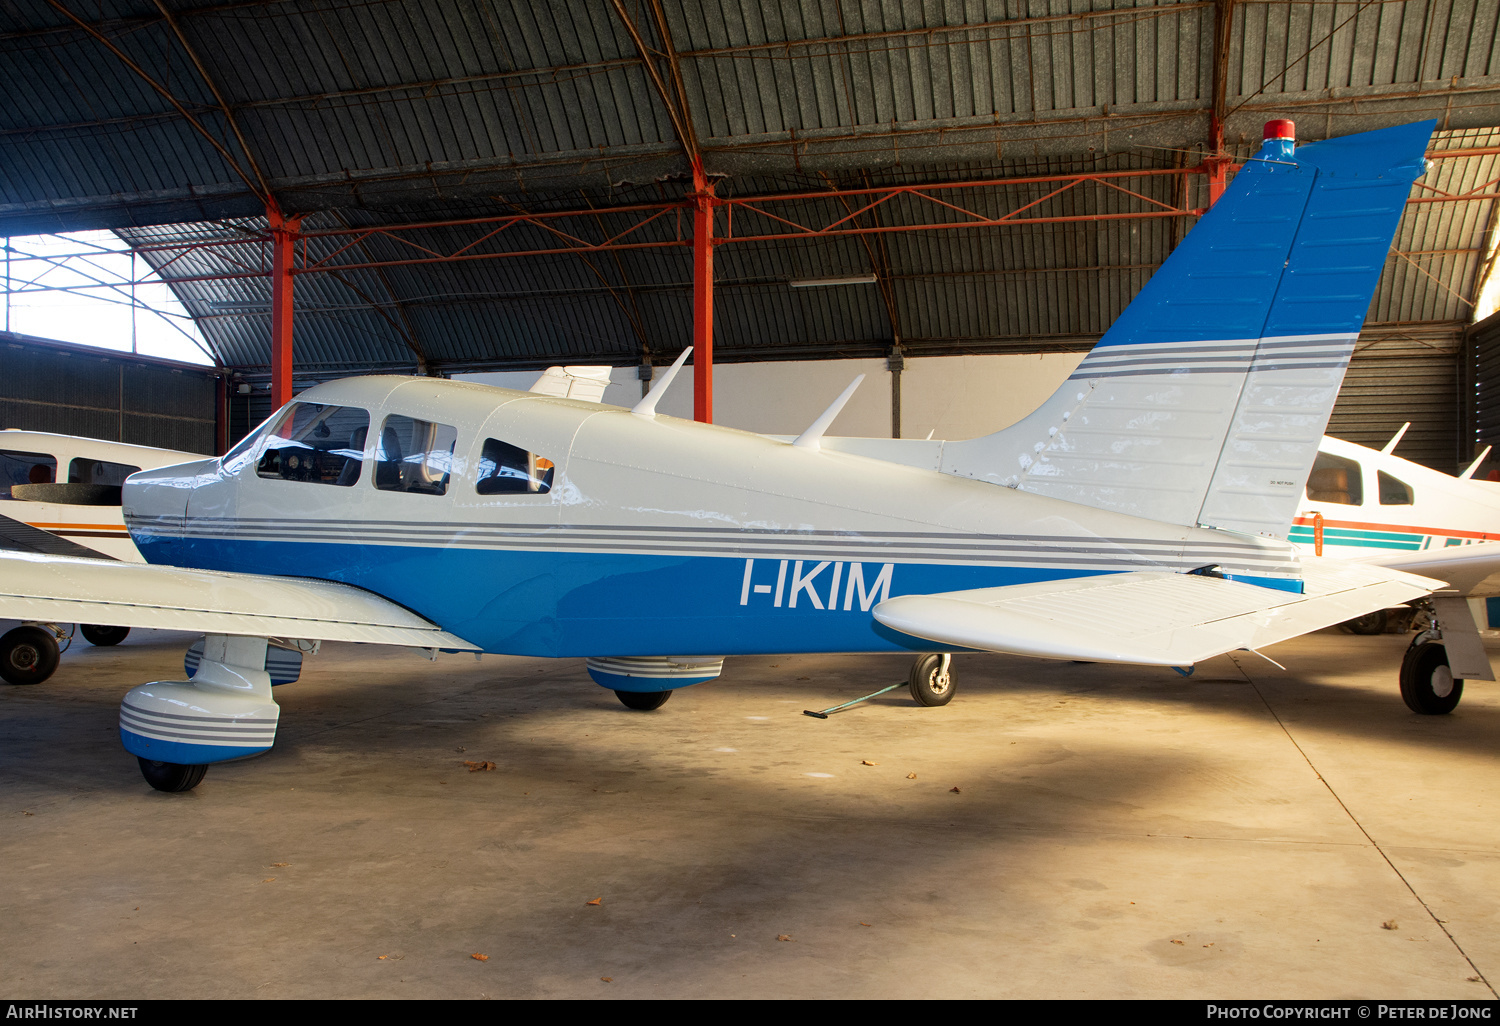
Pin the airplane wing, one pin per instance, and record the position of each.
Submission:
(1470, 570)
(1152, 618)
(36, 586)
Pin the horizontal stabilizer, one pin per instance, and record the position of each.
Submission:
(62, 590)
(1152, 618)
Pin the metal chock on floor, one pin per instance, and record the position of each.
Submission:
(824, 714)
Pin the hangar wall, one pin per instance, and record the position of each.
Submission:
(951, 396)
(1481, 413)
(1389, 383)
(75, 390)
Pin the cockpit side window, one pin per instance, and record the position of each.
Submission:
(506, 469)
(1392, 491)
(1337, 480)
(414, 456)
(316, 443)
(20, 468)
(99, 472)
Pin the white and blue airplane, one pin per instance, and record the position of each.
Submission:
(1164, 474)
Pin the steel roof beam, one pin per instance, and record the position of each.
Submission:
(165, 94)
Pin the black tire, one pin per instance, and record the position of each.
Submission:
(1370, 623)
(1427, 685)
(28, 655)
(645, 701)
(171, 777)
(929, 684)
(99, 634)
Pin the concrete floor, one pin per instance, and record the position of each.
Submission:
(1117, 832)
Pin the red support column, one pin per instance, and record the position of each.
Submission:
(703, 296)
(283, 251)
(1218, 163)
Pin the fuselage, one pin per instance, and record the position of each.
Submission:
(534, 525)
(80, 479)
(1361, 502)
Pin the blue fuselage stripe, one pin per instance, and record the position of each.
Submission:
(543, 603)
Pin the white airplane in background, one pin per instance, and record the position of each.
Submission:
(60, 495)
(1163, 474)
(1375, 507)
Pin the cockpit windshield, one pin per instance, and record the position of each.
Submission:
(315, 443)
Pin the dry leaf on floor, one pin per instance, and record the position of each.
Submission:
(596, 901)
(477, 767)
(783, 937)
(607, 979)
(280, 865)
(269, 879)
(955, 790)
(1389, 924)
(864, 924)
(25, 813)
(911, 776)
(867, 762)
(1175, 941)
(479, 958)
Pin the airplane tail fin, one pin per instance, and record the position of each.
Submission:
(1204, 403)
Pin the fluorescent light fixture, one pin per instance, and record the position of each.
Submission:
(814, 283)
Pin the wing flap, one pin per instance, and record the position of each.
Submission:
(65, 590)
(1152, 618)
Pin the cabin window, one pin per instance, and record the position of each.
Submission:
(1335, 479)
(1392, 491)
(19, 468)
(316, 443)
(99, 472)
(506, 469)
(414, 456)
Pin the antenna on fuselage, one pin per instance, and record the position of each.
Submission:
(1475, 465)
(1390, 446)
(647, 406)
(809, 438)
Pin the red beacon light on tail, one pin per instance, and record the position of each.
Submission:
(1281, 139)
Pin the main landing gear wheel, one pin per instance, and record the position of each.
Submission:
(98, 634)
(1370, 623)
(931, 682)
(171, 777)
(1427, 684)
(643, 700)
(28, 655)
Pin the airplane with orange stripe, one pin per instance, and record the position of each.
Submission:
(1375, 507)
(60, 496)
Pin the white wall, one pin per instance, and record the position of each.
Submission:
(952, 396)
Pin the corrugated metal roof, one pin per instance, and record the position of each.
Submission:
(370, 112)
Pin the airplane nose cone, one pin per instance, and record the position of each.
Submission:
(154, 505)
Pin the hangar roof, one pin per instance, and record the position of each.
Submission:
(169, 120)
